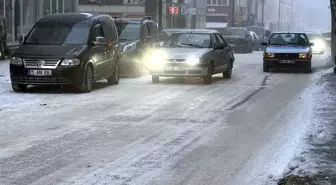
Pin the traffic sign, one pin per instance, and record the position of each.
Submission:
(173, 10)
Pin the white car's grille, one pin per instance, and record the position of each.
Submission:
(41, 63)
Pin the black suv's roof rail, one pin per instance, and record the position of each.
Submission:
(146, 18)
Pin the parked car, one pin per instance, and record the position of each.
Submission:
(136, 36)
(195, 53)
(288, 50)
(260, 31)
(256, 42)
(73, 49)
(239, 38)
(319, 43)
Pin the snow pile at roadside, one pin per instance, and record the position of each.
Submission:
(317, 155)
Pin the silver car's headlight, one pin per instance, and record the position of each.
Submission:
(16, 61)
(70, 62)
(193, 60)
(129, 47)
(269, 55)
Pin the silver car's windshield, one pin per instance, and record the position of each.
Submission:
(189, 40)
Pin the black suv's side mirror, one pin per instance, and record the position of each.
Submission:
(264, 44)
(100, 41)
(22, 39)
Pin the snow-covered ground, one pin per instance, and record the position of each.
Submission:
(245, 130)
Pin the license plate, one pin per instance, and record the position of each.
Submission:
(174, 69)
(39, 72)
(287, 61)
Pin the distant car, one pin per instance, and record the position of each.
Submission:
(73, 49)
(319, 43)
(166, 33)
(287, 50)
(136, 36)
(239, 38)
(196, 53)
(256, 42)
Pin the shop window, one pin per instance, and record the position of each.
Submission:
(218, 2)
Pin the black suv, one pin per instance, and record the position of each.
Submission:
(73, 49)
(239, 38)
(136, 35)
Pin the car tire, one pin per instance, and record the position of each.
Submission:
(251, 49)
(308, 68)
(208, 78)
(228, 73)
(334, 69)
(19, 87)
(87, 82)
(155, 79)
(114, 79)
(265, 67)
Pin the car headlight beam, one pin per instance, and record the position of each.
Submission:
(269, 55)
(303, 55)
(192, 61)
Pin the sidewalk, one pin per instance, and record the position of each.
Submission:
(316, 161)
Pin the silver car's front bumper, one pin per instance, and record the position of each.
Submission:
(185, 71)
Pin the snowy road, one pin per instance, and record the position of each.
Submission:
(237, 131)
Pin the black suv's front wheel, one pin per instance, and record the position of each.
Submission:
(19, 87)
(87, 81)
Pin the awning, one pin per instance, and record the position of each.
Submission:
(215, 25)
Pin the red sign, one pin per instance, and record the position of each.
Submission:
(173, 10)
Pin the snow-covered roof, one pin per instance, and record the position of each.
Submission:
(215, 25)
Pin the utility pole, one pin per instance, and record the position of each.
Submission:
(263, 13)
(291, 17)
(194, 17)
(279, 15)
(160, 15)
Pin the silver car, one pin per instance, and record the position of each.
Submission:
(193, 53)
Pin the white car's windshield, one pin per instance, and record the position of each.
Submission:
(193, 40)
(288, 39)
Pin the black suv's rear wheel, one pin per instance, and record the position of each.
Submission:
(114, 79)
(87, 82)
(19, 87)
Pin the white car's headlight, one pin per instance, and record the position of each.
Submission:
(303, 55)
(70, 62)
(269, 55)
(16, 61)
(193, 60)
(129, 47)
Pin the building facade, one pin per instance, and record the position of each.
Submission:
(220, 11)
(21, 15)
(115, 8)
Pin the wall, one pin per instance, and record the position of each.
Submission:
(21, 15)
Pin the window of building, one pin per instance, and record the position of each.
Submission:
(218, 2)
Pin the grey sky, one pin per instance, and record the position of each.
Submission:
(317, 14)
